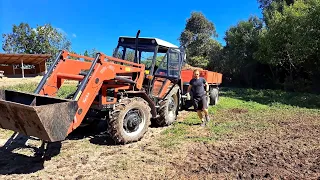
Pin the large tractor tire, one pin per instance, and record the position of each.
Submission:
(168, 108)
(214, 96)
(129, 121)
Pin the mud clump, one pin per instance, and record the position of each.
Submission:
(238, 110)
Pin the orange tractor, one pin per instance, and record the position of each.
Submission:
(142, 82)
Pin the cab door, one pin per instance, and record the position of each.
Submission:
(168, 73)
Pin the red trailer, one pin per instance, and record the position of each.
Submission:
(214, 79)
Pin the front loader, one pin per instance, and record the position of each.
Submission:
(128, 90)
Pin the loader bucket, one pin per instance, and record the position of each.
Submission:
(47, 118)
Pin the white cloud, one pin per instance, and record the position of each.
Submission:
(62, 31)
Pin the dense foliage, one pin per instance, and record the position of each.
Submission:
(281, 50)
(40, 40)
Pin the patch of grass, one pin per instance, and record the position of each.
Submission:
(223, 128)
(65, 89)
(232, 103)
(191, 120)
(27, 87)
(270, 97)
(173, 136)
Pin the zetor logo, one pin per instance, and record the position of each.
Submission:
(103, 70)
(86, 98)
(111, 67)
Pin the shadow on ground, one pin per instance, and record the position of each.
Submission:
(96, 132)
(12, 161)
(268, 97)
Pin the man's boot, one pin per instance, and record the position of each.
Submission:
(203, 124)
(205, 121)
(207, 118)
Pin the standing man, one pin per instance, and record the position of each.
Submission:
(196, 86)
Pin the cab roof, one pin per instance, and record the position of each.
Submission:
(146, 41)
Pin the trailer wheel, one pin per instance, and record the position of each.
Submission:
(214, 96)
(168, 108)
(129, 121)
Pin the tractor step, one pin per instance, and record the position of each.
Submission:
(47, 118)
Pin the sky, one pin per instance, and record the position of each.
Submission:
(98, 23)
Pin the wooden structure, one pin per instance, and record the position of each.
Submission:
(10, 62)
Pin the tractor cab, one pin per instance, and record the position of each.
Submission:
(153, 52)
(163, 61)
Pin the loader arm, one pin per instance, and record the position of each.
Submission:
(49, 118)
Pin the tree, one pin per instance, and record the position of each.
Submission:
(197, 39)
(292, 42)
(40, 40)
(93, 52)
(86, 53)
(238, 59)
(270, 6)
(266, 4)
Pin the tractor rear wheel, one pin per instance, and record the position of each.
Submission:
(168, 108)
(129, 121)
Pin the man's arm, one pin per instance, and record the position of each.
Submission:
(189, 88)
(206, 84)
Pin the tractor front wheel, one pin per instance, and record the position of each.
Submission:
(129, 121)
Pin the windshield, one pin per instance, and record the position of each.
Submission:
(145, 55)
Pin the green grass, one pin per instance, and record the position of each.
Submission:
(64, 90)
(275, 97)
(242, 112)
(28, 87)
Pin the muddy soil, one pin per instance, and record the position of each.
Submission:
(290, 150)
